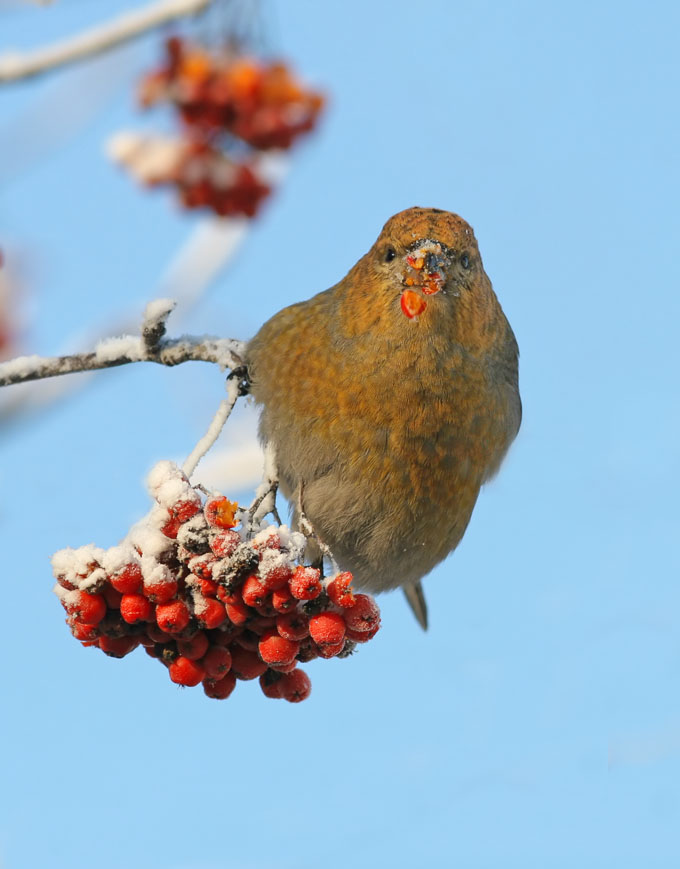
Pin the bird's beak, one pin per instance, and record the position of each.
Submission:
(425, 271)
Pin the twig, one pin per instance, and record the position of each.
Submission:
(17, 65)
(265, 495)
(214, 428)
(112, 352)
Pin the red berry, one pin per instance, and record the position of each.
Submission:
(266, 612)
(275, 577)
(293, 626)
(327, 629)
(161, 591)
(156, 635)
(238, 612)
(89, 609)
(220, 689)
(362, 636)
(186, 508)
(339, 590)
(184, 671)
(85, 633)
(270, 682)
(246, 664)
(112, 597)
(295, 686)
(194, 648)
(228, 596)
(308, 651)
(220, 513)
(208, 587)
(202, 565)
(285, 668)
(305, 583)
(224, 543)
(283, 601)
(267, 540)
(276, 650)
(172, 617)
(217, 662)
(171, 526)
(136, 608)
(211, 613)
(363, 615)
(331, 650)
(128, 580)
(253, 592)
(118, 647)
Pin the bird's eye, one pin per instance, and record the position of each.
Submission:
(390, 254)
(465, 261)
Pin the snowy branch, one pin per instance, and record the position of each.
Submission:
(17, 65)
(152, 346)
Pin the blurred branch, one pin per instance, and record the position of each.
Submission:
(151, 346)
(17, 65)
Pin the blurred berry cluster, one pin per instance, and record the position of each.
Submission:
(231, 108)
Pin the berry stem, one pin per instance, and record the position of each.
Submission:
(214, 429)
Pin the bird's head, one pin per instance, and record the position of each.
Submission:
(423, 273)
(425, 252)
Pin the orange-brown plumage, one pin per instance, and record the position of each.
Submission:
(384, 424)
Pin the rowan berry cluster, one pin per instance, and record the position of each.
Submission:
(232, 108)
(260, 103)
(212, 603)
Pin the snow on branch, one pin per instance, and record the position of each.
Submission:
(18, 65)
(151, 346)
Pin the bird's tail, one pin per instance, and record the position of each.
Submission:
(416, 600)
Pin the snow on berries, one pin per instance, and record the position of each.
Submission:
(215, 604)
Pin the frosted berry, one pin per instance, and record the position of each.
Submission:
(128, 580)
(293, 626)
(339, 590)
(305, 583)
(225, 543)
(211, 613)
(275, 577)
(172, 617)
(87, 608)
(220, 512)
(364, 615)
(327, 628)
(161, 591)
(277, 650)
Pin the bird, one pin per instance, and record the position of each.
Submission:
(389, 399)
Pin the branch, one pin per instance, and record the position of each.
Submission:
(152, 346)
(17, 65)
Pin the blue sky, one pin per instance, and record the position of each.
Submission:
(537, 723)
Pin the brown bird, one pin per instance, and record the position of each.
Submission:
(389, 399)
